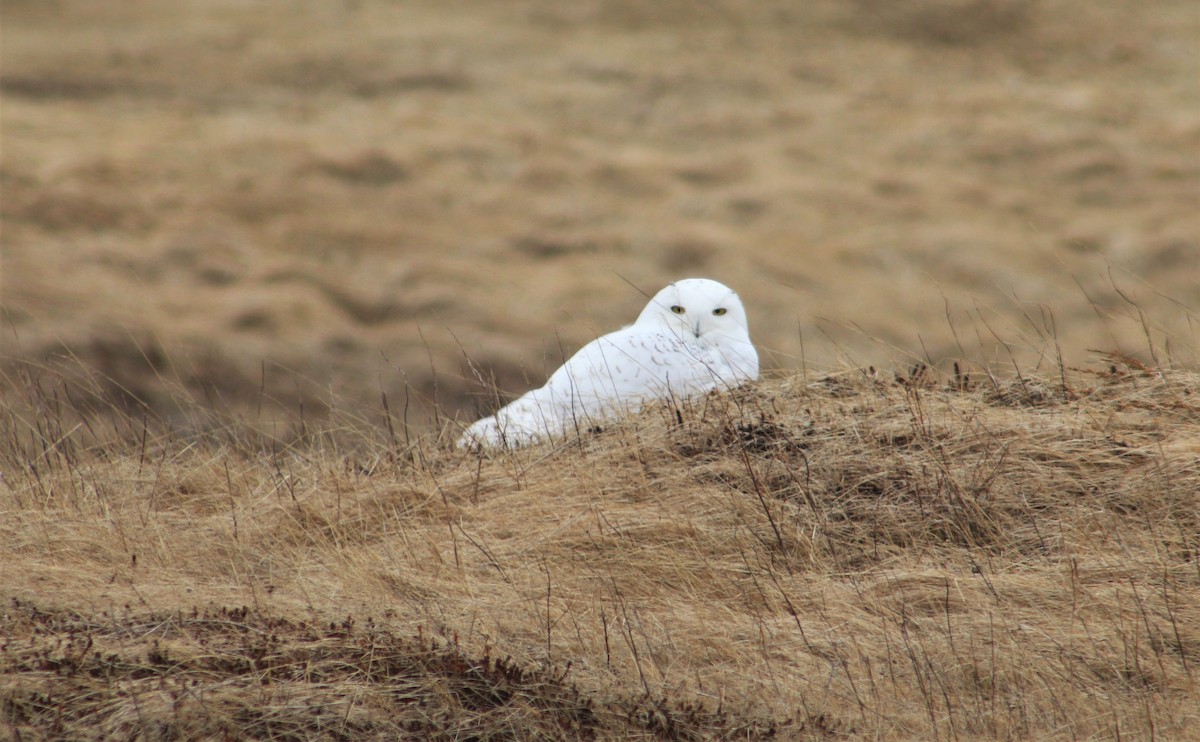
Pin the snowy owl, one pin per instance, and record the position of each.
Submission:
(692, 337)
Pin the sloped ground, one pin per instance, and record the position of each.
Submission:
(859, 554)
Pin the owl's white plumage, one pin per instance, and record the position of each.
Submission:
(691, 338)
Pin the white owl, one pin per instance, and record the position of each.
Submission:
(692, 337)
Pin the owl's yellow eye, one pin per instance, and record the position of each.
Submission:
(678, 309)
(719, 311)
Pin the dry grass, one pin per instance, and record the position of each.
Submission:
(862, 555)
(347, 189)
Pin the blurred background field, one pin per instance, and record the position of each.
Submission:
(314, 201)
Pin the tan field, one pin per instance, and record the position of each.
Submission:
(261, 261)
(340, 199)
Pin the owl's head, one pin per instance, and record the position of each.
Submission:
(698, 308)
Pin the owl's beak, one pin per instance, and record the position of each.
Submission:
(696, 329)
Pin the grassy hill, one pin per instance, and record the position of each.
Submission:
(859, 554)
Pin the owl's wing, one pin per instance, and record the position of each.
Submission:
(611, 375)
(622, 370)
